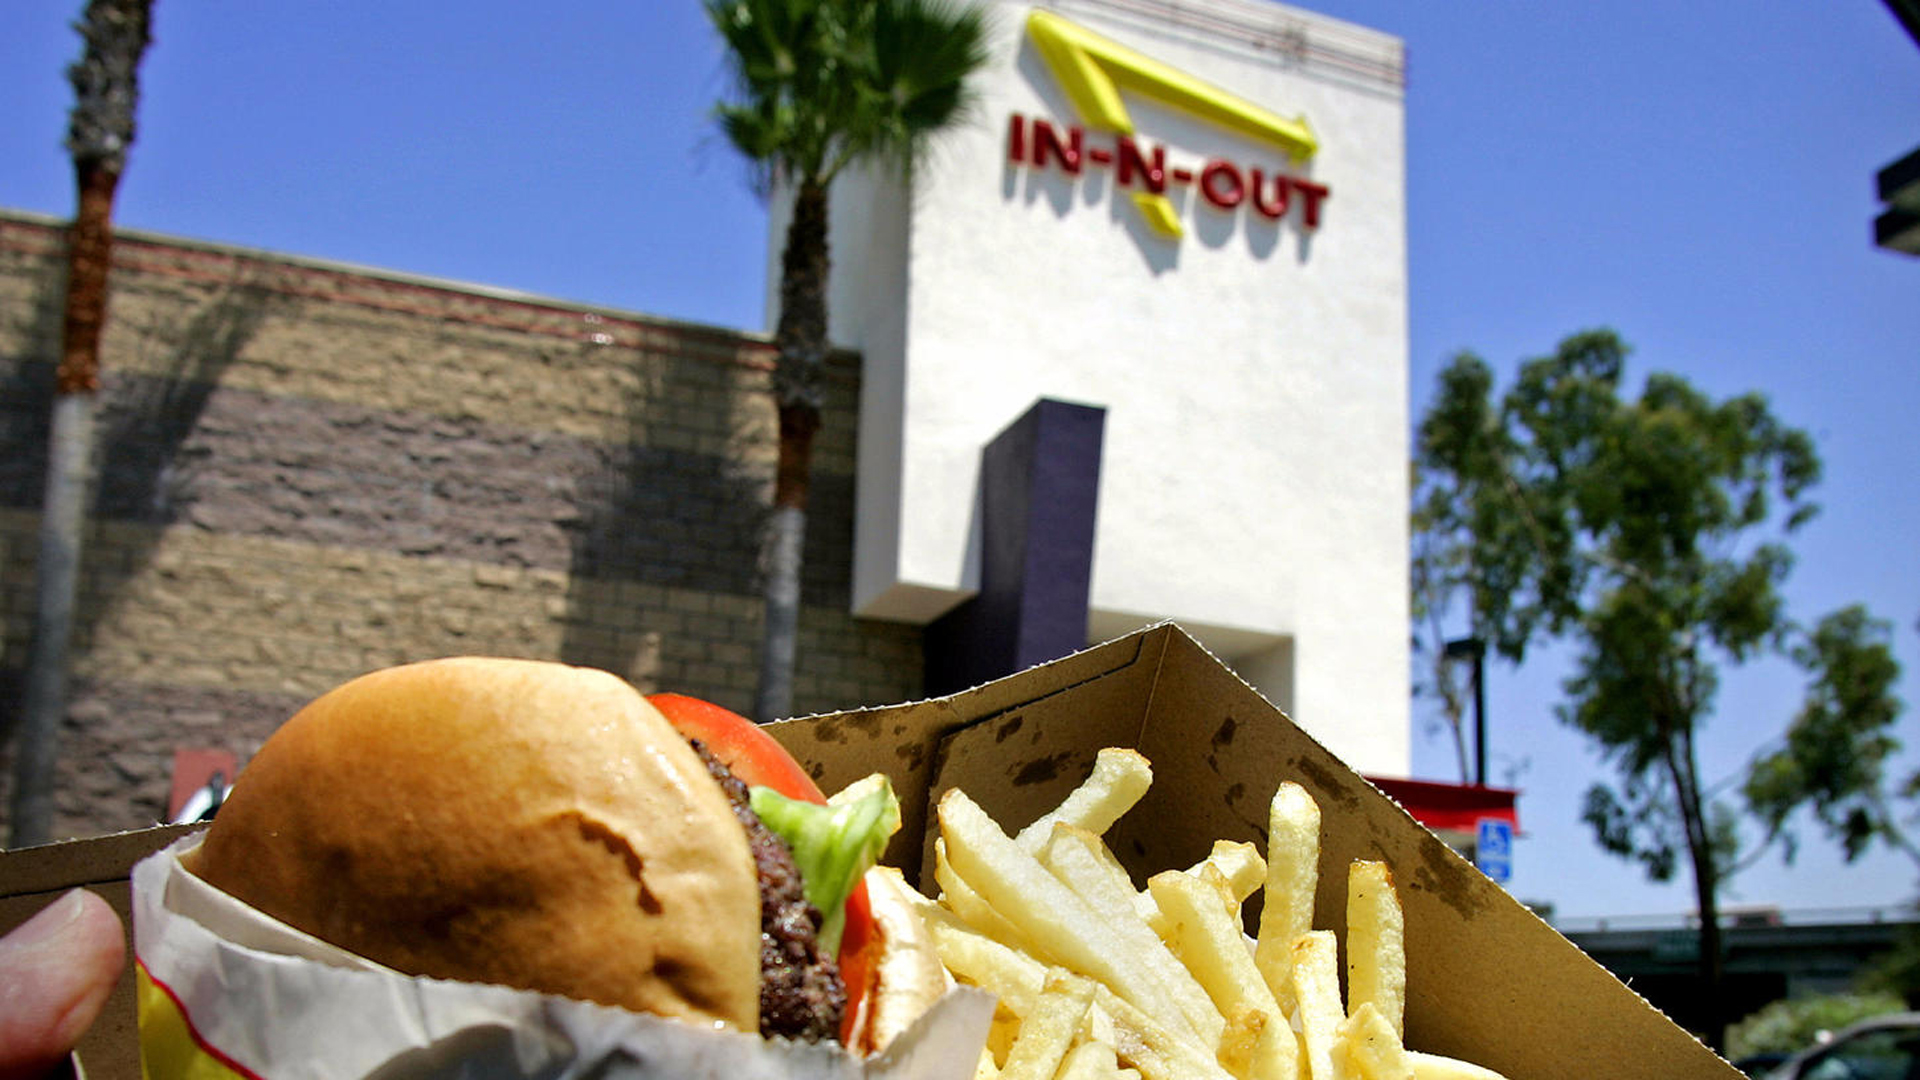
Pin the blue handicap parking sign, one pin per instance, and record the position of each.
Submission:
(1493, 849)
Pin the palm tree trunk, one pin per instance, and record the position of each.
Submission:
(785, 540)
(801, 338)
(70, 448)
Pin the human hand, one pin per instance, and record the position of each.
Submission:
(56, 971)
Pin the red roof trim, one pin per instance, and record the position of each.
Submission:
(1457, 807)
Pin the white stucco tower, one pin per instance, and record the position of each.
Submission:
(1191, 213)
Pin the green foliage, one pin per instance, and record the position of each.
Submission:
(1793, 1024)
(1631, 525)
(1835, 755)
(1478, 537)
(106, 81)
(1648, 531)
(1564, 488)
(820, 84)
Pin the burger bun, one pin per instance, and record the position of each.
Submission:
(517, 822)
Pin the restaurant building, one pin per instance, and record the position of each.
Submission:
(1193, 217)
(1180, 227)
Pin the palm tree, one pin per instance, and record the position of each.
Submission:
(106, 89)
(822, 85)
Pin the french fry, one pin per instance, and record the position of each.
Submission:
(1293, 876)
(1017, 979)
(1435, 1067)
(1048, 1031)
(1128, 1043)
(965, 901)
(1210, 877)
(1149, 1046)
(1095, 863)
(1220, 889)
(1014, 977)
(1316, 987)
(1099, 1028)
(1278, 1052)
(1208, 940)
(1144, 907)
(1000, 1036)
(1089, 1061)
(1236, 1044)
(1044, 909)
(1118, 780)
(1240, 863)
(1376, 944)
(1367, 1048)
(1081, 862)
(1099, 980)
(1234, 868)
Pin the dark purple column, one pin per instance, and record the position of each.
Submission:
(1039, 486)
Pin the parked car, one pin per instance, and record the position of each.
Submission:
(1883, 1048)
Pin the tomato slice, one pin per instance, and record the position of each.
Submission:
(751, 754)
(758, 759)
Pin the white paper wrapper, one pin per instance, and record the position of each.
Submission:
(262, 998)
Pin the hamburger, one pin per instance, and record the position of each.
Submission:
(547, 827)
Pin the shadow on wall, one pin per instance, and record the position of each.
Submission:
(664, 560)
(145, 460)
(145, 469)
(149, 464)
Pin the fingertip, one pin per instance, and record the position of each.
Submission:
(99, 929)
(97, 946)
(57, 971)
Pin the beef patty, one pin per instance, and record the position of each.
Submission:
(801, 994)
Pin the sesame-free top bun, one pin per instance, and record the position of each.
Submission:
(507, 821)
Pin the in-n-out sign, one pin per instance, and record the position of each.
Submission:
(1092, 70)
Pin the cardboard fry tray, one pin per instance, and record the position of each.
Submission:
(1487, 980)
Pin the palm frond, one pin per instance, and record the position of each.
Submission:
(822, 83)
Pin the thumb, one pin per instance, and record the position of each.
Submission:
(56, 971)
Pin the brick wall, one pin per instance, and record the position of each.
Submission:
(309, 471)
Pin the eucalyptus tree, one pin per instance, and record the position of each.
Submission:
(821, 86)
(100, 131)
(1649, 533)
(1833, 761)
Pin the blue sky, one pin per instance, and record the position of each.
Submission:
(1698, 176)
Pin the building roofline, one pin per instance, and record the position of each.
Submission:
(395, 277)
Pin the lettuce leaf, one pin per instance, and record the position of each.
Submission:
(833, 845)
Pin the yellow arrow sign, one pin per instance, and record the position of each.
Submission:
(1093, 69)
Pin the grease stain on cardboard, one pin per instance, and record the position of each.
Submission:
(1222, 739)
(1449, 879)
(830, 731)
(1040, 770)
(1223, 735)
(843, 729)
(911, 755)
(1329, 784)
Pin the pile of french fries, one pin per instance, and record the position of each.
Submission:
(1098, 979)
